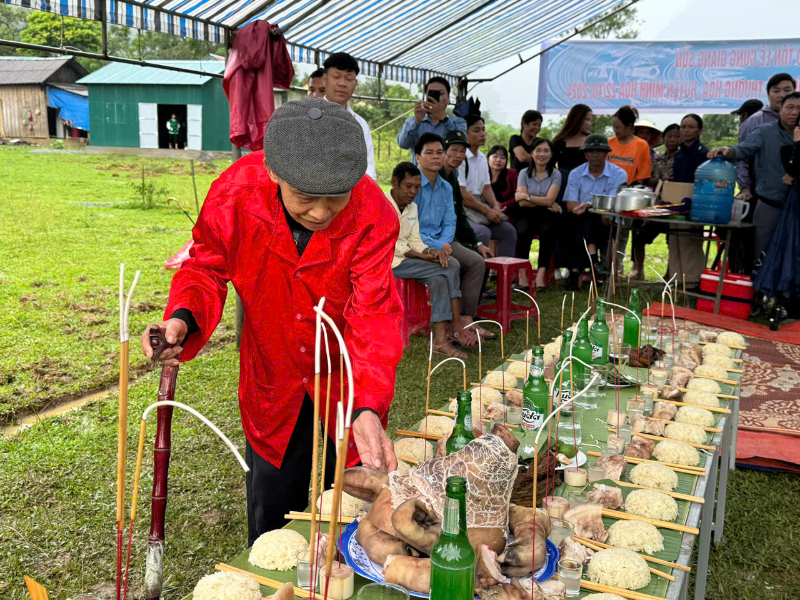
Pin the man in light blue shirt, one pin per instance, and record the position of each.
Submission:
(430, 116)
(437, 216)
(596, 176)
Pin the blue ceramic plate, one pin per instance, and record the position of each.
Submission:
(356, 557)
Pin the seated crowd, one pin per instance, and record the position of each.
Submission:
(453, 200)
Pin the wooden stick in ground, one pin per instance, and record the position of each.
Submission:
(677, 495)
(299, 592)
(428, 393)
(677, 468)
(628, 291)
(328, 406)
(651, 559)
(315, 466)
(659, 438)
(596, 547)
(136, 476)
(341, 460)
(665, 524)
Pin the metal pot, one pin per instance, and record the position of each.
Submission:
(634, 199)
(603, 202)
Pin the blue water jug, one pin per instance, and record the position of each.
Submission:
(714, 184)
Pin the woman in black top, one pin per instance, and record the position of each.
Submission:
(519, 146)
(691, 153)
(568, 141)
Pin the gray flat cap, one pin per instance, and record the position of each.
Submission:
(316, 146)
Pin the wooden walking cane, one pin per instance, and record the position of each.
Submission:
(122, 425)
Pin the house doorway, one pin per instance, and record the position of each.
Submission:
(165, 112)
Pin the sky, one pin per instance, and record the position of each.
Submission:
(660, 20)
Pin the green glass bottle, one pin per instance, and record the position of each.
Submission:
(452, 557)
(535, 394)
(581, 349)
(561, 391)
(598, 335)
(631, 332)
(462, 430)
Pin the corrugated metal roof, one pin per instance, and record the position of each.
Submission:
(74, 88)
(410, 40)
(30, 70)
(125, 74)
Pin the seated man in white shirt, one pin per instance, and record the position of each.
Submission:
(414, 260)
(339, 81)
(486, 215)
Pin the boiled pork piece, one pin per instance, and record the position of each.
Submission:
(416, 525)
(569, 549)
(412, 573)
(487, 569)
(679, 377)
(706, 335)
(614, 466)
(378, 544)
(606, 495)
(588, 521)
(645, 425)
(664, 411)
(529, 547)
(640, 447)
(671, 393)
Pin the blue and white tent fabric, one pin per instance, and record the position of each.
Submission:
(409, 40)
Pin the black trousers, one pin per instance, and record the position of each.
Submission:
(531, 222)
(273, 492)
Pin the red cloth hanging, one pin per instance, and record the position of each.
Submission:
(259, 62)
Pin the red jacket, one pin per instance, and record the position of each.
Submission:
(258, 62)
(242, 236)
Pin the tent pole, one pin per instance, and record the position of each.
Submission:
(104, 30)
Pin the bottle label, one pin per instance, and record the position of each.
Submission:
(597, 351)
(450, 522)
(531, 418)
(468, 421)
(537, 370)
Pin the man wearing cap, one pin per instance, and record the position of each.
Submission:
(748, 109)
(596, 176)
(288, 226)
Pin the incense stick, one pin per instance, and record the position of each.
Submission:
(563, 301)
(428, 394)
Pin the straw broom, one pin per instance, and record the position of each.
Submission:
(122, 430)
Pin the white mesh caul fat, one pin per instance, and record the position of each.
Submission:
(489, 468)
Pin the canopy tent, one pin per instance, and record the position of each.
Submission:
(400, 40)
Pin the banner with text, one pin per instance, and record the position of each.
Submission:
(708, 77)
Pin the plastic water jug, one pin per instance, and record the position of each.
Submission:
(714, 183)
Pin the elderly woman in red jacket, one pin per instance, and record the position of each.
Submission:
(287, 226)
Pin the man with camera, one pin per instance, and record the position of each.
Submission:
(430, 116)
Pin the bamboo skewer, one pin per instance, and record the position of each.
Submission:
(718, 409)
(728, 345)
(597, 547)
(677, 468)
(304, 516)
(725, 396)
(665, 524)
(418, 434)
(299, 592)
(609, 589)
(659, 438)
(652, 559)
(709, 429)
(677, 495)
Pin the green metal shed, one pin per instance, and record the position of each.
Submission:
(129, 105)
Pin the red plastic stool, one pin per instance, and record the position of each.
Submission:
(504, 310)
(416, 307)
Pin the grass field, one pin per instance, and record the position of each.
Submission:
(57, 478)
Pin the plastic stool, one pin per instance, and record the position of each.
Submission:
(504, 310)
(416, 307)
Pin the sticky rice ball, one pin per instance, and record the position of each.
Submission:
(551, 352)
(500, 379)
(640, 536)
(487, 394)
(709, 349)
(277, 550)
(619, 567)
(714, 371)
(351, 507)
(686, 432)
(725, 362)
(701, 384)
(701, 398)
(437, 425)
(651, 504)
(227, 586)
(679, 453)
(414, 448)
(403, 466)
(655, 476)
(519, 370)
(695, 416)
(730, 338)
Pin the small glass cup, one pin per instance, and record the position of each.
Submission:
(559, 529)
(633, 414)
(609, 451)
(683, 335)
(570, 425)
(652, 334)
(513, 415)
(625, 434)
(624, 354)
(304, 570)
(569, 573)
(694, 338)
(658, 377)
(596, 473)
(649, 398)
(635, 404)
(382, 591)
(588, 399)
(578, 499)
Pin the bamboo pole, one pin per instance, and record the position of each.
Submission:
(659, 438)
(299, 592)
(597, 548)
(651, 559)
(314, 457)
(665, 524)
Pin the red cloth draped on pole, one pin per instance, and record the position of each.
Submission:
(259, 62)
